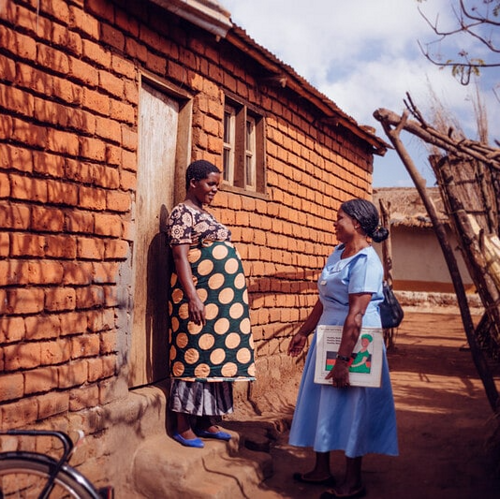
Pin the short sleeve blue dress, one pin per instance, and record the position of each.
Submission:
(357, 420)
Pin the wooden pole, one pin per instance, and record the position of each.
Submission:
(477, 354)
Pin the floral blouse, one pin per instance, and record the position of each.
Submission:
(188, 226)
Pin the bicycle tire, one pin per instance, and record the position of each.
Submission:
(23, 476)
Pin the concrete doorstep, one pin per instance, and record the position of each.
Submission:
(165, 469)
(152, 465)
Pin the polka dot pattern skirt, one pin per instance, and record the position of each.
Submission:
(222, 349)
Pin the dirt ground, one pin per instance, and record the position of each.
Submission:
(444, 421)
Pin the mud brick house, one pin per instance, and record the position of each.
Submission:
(103, 104)
(420, 273)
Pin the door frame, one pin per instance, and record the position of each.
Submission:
(141, 375)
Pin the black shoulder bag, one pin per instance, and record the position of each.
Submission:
(391, 312)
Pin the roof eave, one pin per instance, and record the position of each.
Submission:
(206, 14)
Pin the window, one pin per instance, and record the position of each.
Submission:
(243, 155)
(229, 146)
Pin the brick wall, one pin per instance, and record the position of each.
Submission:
(69, 87)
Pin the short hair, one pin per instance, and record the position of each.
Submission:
(199, 170)
(367, 215)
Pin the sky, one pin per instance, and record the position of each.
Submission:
(364, 55)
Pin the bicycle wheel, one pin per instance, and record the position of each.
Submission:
(25, 476)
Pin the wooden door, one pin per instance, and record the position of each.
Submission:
(156, 180)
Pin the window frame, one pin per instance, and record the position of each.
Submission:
(246, 162)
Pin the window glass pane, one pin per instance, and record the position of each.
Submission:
(229, 145)
(250, 171)
(226, 164)
(227, 126)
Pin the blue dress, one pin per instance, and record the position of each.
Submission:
(356, 420)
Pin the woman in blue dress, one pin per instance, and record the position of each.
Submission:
(356, 420)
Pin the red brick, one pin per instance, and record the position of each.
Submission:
(17, 100)
(7, 66)
(127, 23)
(131, 92)
(11, 329)
(84, 398)
(67, 91)
(47, 219)
(92, 198)
(95, 367)
(62, 142)
(112, 37)
(129, 161)
(53, 59)
(109, 342)
(156, 64)
(86, 345)
(77, 273)
(106, 272)
(118, 201)
(67, 40)
(84, 22)
(13, 272)
(25, 46)
(129, 138)
(93, 149)
(136, 50)
(116, 249)
(128, 180)
(45, 272)
(62, 193)
(83, 72)
(22, 356)
(48, 164)
(40, 380)
(113, 158)
(4, 185)
(96, 101)
(52, 404)
(6, 128)
(58, 9)
(63, 246)
(89, 297)
(11, 387)
(72, 374)
(108, 129)
(59, 299)
(123, 67)
(90, 249)
(79, 221)
(122, 111)
(73, 323)
(111, 83)
(111, 296)
(108, 225)
(27, 245)
(19, 414)
(99, 320)
(42, 327)
(55, 352)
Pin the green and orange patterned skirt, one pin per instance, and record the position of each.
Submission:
(222, 349)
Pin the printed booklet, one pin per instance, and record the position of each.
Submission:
(365, 366)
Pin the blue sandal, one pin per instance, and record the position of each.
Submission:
(188, 442)
(218, 435)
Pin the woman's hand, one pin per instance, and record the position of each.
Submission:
(339, 374)
(297, 344)
(197, 311)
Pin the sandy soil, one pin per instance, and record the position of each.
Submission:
(444, 421)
